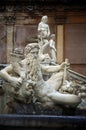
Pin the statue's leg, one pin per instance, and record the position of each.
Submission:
(55, 80)
(66, 99)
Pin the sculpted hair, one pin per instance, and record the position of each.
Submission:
(32, 64)
(29, 47)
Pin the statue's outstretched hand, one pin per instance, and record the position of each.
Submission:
(63, 64)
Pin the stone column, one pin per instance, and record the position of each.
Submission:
(9, 41)
(60, 43)
(9, 20)
(60, 21)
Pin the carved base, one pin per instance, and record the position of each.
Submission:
(18, 107)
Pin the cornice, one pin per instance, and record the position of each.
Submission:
(39, 8)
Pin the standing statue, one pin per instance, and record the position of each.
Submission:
(25, 81)
(43, 28)
(43, 33)
(52, 48)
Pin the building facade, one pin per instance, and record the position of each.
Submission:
(67, 19)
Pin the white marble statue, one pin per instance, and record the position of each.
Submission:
(53, 48)
(43, 33)
(43, 28)
(25, 80)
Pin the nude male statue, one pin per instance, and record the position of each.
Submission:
(30, 71)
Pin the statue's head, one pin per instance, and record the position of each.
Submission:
(44, 19)
(52, 35)
(32, 48)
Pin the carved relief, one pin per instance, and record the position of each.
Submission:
(9, 20)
